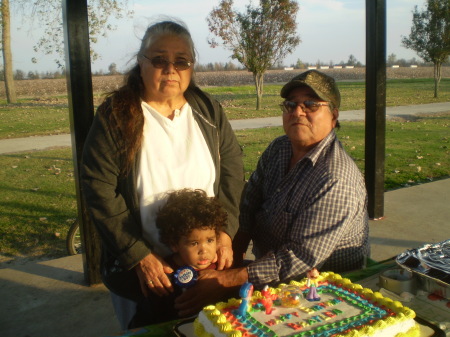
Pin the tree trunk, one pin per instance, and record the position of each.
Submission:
(437, 78)
(7, 55)
(259, 83)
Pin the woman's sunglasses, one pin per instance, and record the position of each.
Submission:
(161, 63)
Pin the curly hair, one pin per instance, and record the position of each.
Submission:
(186, 210)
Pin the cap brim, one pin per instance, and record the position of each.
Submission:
(291, 85)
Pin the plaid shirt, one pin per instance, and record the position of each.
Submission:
(314, 215)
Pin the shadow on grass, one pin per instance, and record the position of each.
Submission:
(34, 155)
(51, 194)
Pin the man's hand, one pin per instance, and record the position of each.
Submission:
(151, 272)
(212, 286)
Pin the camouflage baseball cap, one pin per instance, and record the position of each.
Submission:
(323, 85)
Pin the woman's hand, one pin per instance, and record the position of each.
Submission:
(224, 251)
(224, 258)
(151, 271)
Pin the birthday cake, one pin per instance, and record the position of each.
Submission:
(338, 308)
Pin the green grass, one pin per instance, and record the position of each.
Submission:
(416, 151)
(38, 202)
(28, 118)
(51, 116)
(239, 102)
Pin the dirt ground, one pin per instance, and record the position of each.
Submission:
(43, 89)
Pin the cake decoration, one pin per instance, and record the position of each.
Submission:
(343, 310)
(246, 293)
(290, 296)
(267, 300)
(312, 284)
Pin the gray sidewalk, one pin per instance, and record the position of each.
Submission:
(50, 298)
(44, 142)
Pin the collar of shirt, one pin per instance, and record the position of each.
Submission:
(314, 154)
(178, 113)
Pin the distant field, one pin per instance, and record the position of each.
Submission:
(42, 107)
(101, 84)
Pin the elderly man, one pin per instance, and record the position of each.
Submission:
(304, 207)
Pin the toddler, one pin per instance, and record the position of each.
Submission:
(189, 223)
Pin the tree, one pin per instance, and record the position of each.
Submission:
(7, 55)
(33, 75)
(299, 64)
(49, 15)
(392, 58)
(19, 75)
(351, 60)
(430, 35)
(258, 38)
(113, 69)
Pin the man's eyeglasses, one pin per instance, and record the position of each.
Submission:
(307, 106)
(161, 63)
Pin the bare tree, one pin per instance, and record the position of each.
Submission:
(352, 61)
(258, 38)
(392, 58)
(7, 55)
(430, 35)
(49, 15)
(113, 69)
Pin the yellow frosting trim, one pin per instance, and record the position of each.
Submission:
(413, 332)
(209, 308)
(221, 319)
(215, 312)
(234, 302)
(199, 330)
(368, 330)
(366, 292)
(225, 327)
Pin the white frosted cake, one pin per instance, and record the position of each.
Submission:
(342, 309)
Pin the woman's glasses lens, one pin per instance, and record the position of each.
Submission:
(160, 63)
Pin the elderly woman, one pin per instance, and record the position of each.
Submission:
(158, 132)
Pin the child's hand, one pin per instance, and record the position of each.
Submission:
(224, 253)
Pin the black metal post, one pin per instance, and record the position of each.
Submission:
(81, 109)
(375, 130)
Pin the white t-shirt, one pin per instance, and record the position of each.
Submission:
(174, 155)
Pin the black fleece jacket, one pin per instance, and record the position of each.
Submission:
(111, 198)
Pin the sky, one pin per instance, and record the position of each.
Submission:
(330, 31)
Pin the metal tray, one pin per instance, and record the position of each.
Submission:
(185, 328)
(431, 264)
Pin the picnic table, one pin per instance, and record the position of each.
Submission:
(365, 277)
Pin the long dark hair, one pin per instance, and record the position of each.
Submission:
(127, 115)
